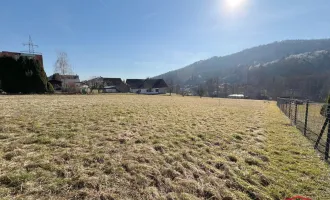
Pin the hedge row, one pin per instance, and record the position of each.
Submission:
(24, 75)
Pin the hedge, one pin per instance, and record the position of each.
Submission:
(24, 75)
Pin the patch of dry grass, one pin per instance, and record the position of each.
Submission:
(153, 147)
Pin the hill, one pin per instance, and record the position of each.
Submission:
(301, 75)
(226, 67)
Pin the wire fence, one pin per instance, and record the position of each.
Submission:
(311, 118)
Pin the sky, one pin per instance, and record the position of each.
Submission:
(145, 38)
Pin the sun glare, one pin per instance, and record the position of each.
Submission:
(234, 4)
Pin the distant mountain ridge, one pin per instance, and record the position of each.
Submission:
(304, 75)
(224, 67)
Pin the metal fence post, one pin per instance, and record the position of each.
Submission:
(290, 110)
(295, 112)
(328, 135)
(306, 118)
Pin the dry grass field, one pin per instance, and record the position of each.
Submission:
(153, 147)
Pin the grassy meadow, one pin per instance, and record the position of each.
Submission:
(153, 147)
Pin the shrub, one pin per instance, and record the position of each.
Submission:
(24, 75)
(324, 108)
(50, 88)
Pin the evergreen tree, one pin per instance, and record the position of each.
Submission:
(24, 75)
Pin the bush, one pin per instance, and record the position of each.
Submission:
(324, 108)
(70, 88)
(50, 88)
(24, 75)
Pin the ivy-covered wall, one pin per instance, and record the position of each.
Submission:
(24, 75)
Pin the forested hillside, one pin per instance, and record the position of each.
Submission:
(296, 65)
(302, 75)
(225, 65)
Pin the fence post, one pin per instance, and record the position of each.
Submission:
(306, 118)
(295, 112)
(328, 135)
(290, 110)
(286, 108)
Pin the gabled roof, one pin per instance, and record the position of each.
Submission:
(112, 81)
(134, 83)
(146, 83)
(69, 76)
(58, 77)
(154, 83)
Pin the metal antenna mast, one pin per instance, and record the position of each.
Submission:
(31, 45)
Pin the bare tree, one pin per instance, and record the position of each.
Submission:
(211, 85)
(62, 65)
(171, 87)
(200, 91)
(177, 89)
(183, 92)
(100, 88)
(95, 83)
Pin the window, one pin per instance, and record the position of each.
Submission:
(157, 90)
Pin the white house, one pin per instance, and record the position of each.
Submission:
(236, 96)
(110, 89)
(147, 86)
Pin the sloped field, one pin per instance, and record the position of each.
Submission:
(153, 147)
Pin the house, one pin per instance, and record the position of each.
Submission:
(57, 84)
(236, 96)
(64, 82)
(108, 85)
(17, 55)
(147, 86)
(116, 83)
(110, 89)
(134, 84)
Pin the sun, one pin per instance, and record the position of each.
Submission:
(234, 4)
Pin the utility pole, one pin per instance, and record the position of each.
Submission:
(31, 45)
